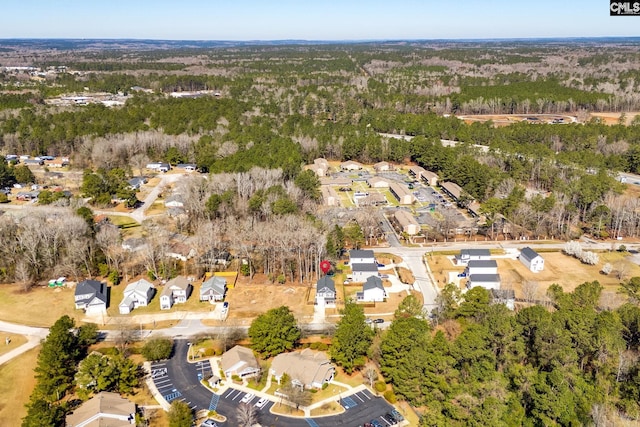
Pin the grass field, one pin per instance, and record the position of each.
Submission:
(41, 306)
(16, 383)
(559, 268)
(15, 342)
(123, 222)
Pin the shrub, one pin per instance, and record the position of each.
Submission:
(607, 268)
(157, 349)
(390, 396)
(590, 258)
(380, 386)
(236, 378)
(325, 385)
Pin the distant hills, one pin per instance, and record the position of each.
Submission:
(142, 44)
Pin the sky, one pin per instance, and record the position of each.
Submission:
(311, 19)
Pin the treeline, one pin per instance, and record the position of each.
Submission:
(485, 365)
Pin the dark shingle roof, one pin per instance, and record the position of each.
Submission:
(355, 253)
(373, 282)
(483, 263)
(325, 282)
(364, 267)
(528, 253)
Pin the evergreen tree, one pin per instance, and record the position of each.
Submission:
(352, 338)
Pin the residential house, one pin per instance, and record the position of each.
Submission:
(187, 167)
(176, 290)
(452, 190)
(377, 182)
(373, 199)
(336, 182)
(358, 256)
(104, 409)
(531, 259)
(159, 166)
(134, 244)
(57, 163)
(306, 368)
(382, 167)
(239, 361)
(467, 255)
(174, 201)
(136, 294)
(504, 296)
(430, 178)
(489, 266)
(213, 289)
(91, 296)
(407, 222)
(215, 257)
(33, 162)
(320, 167)
(372, 290)
(136, 182)
(474, 209)
(180, 251)
(487, 281)
(350, 165)
(401, 193)
(325, 291)
(361, 272)
(329, 196)
(416, 172)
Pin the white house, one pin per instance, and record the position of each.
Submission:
(372, 290)
(531, 259)
(213, 289)
(325, 291)
(136, 294)
(159, 166)
(239, 361)
(176, 290)
(377, 182)
(382, 167)
(467, 255)
(361, 272)
(358, 256)
(489, 266)
(91, 296)
(487, 281)
(103, 409)
(174, 201)
(350, 165)
(504, 296)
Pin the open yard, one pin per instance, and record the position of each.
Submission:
(15, 341)
(559, 268)
(41, 306)
(16, 383)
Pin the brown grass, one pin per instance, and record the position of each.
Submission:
(41, 306)
(405, 275)
(16, 341)
(559, 268)
(16, 384)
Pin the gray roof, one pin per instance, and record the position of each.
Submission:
(141, 287)
(91, 288)
(528, 253)
(364, 267)
(475, 252)
(373, 282)
(355, 253)
(216, 284)
(483, 263)
(484, 278)
(325, 282)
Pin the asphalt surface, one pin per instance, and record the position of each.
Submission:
(178, 379)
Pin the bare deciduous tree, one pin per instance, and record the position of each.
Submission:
(247, 415)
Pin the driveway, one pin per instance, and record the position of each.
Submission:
(178, 379)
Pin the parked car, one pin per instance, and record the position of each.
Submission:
(225, 307)
(263, 401)
(368, 321)
(389, 417)
(247, 398)
(397, 415)
(208, 423)
(462, 275)
(346, 281)
(378, 320)
(380, 265)
(376, 423)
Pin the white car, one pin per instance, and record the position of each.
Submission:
(263, 401)
(247, 398)
(209, 423)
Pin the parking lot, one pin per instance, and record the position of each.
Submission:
(178, 379)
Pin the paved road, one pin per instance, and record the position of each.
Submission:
(178, 379)
(34, 336)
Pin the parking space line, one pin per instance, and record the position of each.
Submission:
(361, 399)
(385, 420)
(230, 393)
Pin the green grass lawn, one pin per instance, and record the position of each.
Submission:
(123, 222)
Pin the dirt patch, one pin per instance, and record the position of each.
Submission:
(248, 300)
(614, 118)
